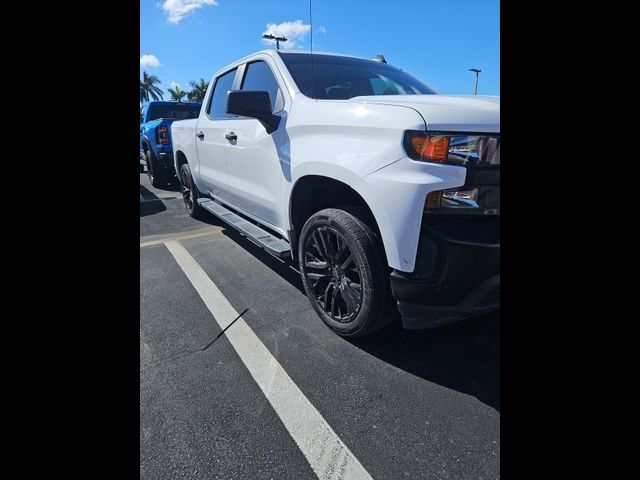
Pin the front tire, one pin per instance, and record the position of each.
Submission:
(190, 193)
(344, 272)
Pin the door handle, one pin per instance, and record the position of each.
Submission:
(230, 136)
(200, 135)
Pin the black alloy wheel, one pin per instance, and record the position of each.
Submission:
(189, 192)
(333, 273)
(186, 189)
(344, 271)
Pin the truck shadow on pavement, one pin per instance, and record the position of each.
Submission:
(172, 187)
(282, 268)
(150, 204)
(464, 356)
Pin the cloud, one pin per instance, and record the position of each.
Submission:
(149, 61)
(174, 84)
(292, 31)
(176, 10)
(321, 29)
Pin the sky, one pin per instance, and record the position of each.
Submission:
(435, 40)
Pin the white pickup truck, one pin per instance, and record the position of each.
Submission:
(385, 193)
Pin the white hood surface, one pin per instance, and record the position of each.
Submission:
(456, 113)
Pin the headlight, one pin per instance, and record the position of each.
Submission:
(453, 148)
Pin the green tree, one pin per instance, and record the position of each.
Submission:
(177, 93)
(198, 90)
(149, 88)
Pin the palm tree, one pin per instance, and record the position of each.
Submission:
(198, 90)
(148, 88)
(177, 93)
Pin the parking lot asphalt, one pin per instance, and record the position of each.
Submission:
(405, 404)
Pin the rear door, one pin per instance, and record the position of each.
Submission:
(211, 143)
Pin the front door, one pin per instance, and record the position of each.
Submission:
(254, 157)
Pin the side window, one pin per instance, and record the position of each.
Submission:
(218, 103)
(259, 76)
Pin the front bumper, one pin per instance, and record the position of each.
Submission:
(457, 272)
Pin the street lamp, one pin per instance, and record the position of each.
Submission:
(277, 39)
(477, 72)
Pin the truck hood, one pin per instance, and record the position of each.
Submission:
(456, 113)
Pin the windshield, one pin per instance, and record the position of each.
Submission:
(176, 110)
(337, 77)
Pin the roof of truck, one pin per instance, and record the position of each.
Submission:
(315, 52)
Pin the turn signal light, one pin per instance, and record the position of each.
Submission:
(437, 149)
(431, 148)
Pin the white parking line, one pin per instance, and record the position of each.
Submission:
(328, 456)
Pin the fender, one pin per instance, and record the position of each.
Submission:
(395, 194)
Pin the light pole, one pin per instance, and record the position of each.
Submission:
(477, 72)
(277, 39)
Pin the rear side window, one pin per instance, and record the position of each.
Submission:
(218, 103)
(259, 76)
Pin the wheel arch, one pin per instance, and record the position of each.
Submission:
(312, 193)
(180, 159)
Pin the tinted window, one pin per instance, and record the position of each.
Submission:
(259, 76)
(218, 103)
(173, 110)
(345, 77)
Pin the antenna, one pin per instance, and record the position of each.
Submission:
(313, 79)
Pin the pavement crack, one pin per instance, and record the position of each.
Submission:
(225, 329)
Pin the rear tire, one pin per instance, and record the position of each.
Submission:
(157, 175)
(344, 272)
(190, 193)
